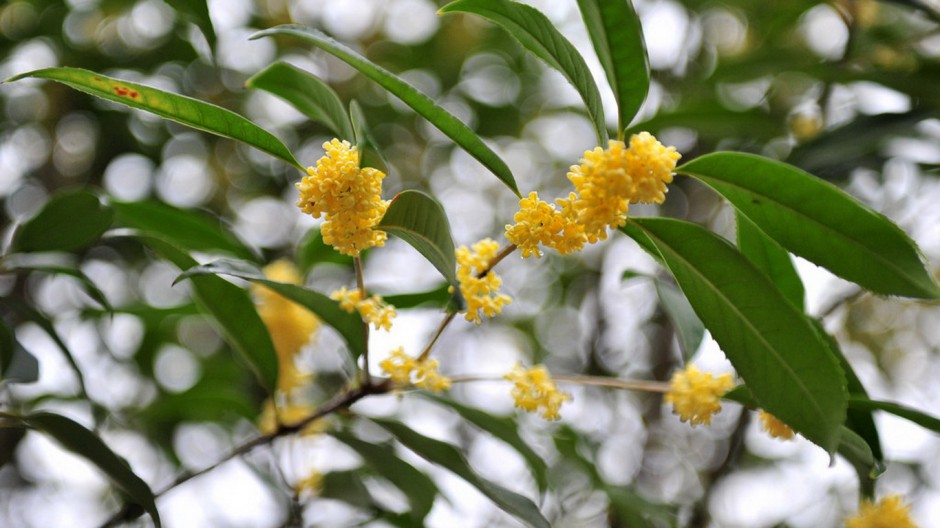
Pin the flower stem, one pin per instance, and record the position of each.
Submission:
(360, 282)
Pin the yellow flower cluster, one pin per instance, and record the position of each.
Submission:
(695, 394)
(606, 182)
(373, 310)
(889, 512)
(348, 196)
(775, 427)
(403, 369)
(481, 293)
(287, 413)
(535, 390)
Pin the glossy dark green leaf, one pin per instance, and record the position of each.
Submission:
(17, 365)
(69, 221)
(919, 417)
(420, 220)
(187, 229)
(618, 40)
(437, 297)
(186, 110)
(306, 93)
(421, 103)
(348, 325)
(817, 221)
(381, 458)
(369, 154)
(771, 344)
(197, 12)
(86, 444)
(449, 457)
(538, 35)
(769, 257)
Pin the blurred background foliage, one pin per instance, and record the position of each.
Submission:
(848, 90)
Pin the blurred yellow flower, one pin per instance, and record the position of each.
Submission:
(775, 427)
(310, 485)
(539, 222)
(535, 390)
(695, 395)
(405, 370)
(348, 196)
(889, 512)
(481, 293)
(373, 310)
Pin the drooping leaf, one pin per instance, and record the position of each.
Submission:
(369, 155)
(919, 417)
(538, 35)
(449, 457)
(421, 103)
(771, 344)
(618, 40)
(197, 12)
(348, 325)
(69, 221)
(420, 220)
(28, 262)
(689, 327)
(770, 258)
(17, 365)
(86, 444)
(815, 220)
(308, 94)
(180, 108)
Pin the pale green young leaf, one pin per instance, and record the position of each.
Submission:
(420, 220)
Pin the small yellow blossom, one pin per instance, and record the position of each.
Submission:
(775, 427)
(535, 390)
(287, 413)
(889, 512)
(309, 486)
(651, 165)
(403, 369)
(695, 394)
(373, 310)
(539, 222)
(349, 198)
(481, 293)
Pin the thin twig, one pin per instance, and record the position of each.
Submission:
(440, 330)
(360, 282)
(595, 381)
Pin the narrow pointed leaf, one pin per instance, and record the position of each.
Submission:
(770, 258)
(437, 297)
(27, 262)
(348, 325)
(618, 40)
(420, 220)
(421, 103)
(817, 221)
(919, 417)
(186, 110)
(689, 327)
(449, 457)
(308, 94)
(771, 344)
(369, 154)
(538, 35)
(197, 12)
(69, 221)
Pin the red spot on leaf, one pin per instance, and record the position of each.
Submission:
(133, 95)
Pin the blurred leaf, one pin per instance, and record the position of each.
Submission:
(437, 297)
(69, 221)
(82, 442)
(422, 104)
(771, 344)
(420, 220)
(449, 457)
(17, 365)
(347, 486)
(197, 11)
(348, 325)
(418, 487)
(186, 110)
(818, 222)
(769, 257)
(690, 329)
(24, 262)
(538, 35)
(306, 93)
(312, 251)
(618, 40)
(203, 402)
(858, 453)
(504, 428)
(369, 155)
(713, 122)
(920, 418)
(186, 229)
(925, 7)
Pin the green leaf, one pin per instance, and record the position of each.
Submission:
(920, 418)
(422, 104)
(85, 443)
(381, 458)
(618, 40)
(771, 344)
(186, 229)
(26, 262)
(449, 457)
(502, 427)
(420, 220)
(538, 35)
(347, 486)
(348, 325)
(69, 221)
(817, 221)
(17, 365)
(197, 11)
(769, 257)
(186, 110)
(306, 93)
(369, 155)
(436, 297)
(680, 312)
(854, 449)
(312, 251)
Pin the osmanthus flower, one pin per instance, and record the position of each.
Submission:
(309, 486)
(775, 427)
(405, 370)
(695, 395)
(347, 196)
(889, 512)
(481, 293)
(288, 412)
(539, 222)
(373, 310)
(535, 390)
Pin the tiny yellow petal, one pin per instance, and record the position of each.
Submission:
(775, 427)
(695, 395)
(889, 512)
(534, 390)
